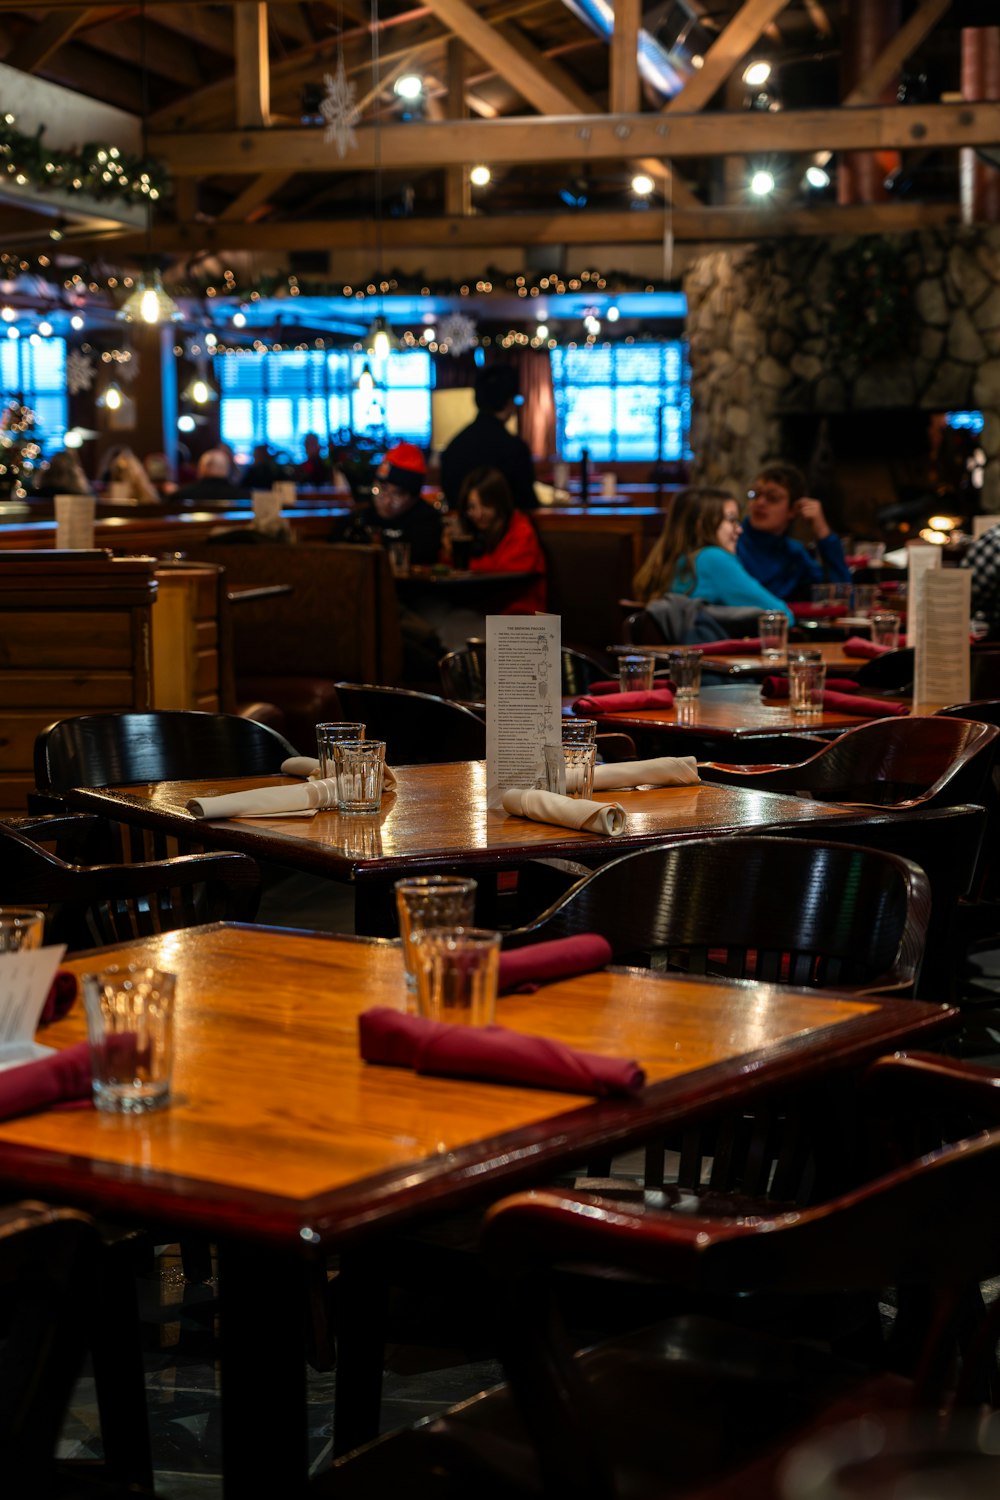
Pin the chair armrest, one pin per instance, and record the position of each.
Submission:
(918, 1081)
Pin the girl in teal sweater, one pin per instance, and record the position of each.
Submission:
(696, 554)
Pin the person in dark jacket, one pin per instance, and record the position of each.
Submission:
(777, 497)
(213, 481)
(486, 443)
(396, 507)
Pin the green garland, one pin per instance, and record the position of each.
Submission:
(868, 302)
(99, 170)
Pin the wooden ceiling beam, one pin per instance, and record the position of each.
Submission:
(563, 82)
(253, 196)
(457, 187)
(888, 63)
(624, 90)
(167, 56)
(728, 49)
(482, 232)
(198, 23)
(253, 66)
(584, 138)
(105, 78)
(48, 35)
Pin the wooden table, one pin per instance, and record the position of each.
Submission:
(752, 664)
(437, 819)
(283, 1146)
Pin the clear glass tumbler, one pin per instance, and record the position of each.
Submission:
(457, 970)
(130, 1022)
(635, 673)
(431, 901)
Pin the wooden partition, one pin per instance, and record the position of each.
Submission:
(75, 637)
(592, 557)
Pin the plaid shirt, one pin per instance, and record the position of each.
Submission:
(983, 557)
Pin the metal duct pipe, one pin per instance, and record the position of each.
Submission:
(668, 76)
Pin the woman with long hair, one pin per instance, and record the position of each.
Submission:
(503, 538)
(696, 554)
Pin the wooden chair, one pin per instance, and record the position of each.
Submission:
(892, 672)
(702, 1407)
(780, 911)
(117, 748)
(418, 728)
(902, 762)
(91, 905)
(463, 672)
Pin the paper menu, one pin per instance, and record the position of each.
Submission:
(25, 980)
(266, 507)
(920, 559)
(523, 699)
(74, 521)
(941, 659)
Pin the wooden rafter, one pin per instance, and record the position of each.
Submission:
(253, 196)
(728, 49)
(586, 138)
(624, 80)
(457, 188)
(253, 65)
(519, 65)
(888, 63)
(37, 46)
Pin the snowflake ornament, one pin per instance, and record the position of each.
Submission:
(458, 332)
(80, 372)
(339, 110)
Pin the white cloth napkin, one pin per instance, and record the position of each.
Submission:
(304, 797)
(567, 812)
(306, 765)
(665, 770)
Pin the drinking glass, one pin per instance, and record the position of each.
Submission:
(635, 673)
(579, 731)
(805, 686)
(359, 768)
(20, 927)
(332, 734)
(130, 1021)
(684, 667)
(885, 629)
(841, 594)
(822, 593)
(399, 558)
(865, 598)
(457, 969)
(569, 769)
(431, 901)
(772, 627)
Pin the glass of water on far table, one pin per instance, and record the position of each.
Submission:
(328, 735)
(431, 901)
(772, 627)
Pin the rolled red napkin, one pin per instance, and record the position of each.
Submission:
(59, 1000)
(624, 703)
(777, 687)
(494, 1054)
(806, 611)
(51, 1080)
(749, 647)
(856, 645)
(526, 968)
(865, 708)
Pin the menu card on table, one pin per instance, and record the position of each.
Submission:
(920, 559)
(941, 658)
(523, 699)
(25, 980)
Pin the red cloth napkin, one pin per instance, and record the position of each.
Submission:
(526, 968)
(492, 1053)
(856, 645)
(59, 1001)
(51, 1080)
(624, 703)
(803, 610)
(602, 687)
(864, 708)
(777, 687)
(749, 647)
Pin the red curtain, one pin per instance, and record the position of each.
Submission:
(538, 414)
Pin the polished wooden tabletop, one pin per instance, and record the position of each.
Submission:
(277, 1126)
(751, 664)
(734, 711)
(438, 814)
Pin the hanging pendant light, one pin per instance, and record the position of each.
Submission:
(149, 303)
(381, 340)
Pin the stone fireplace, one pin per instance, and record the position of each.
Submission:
(783, 332)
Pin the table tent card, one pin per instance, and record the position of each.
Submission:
(74, 521)
(920, 559)
(523, 699)
(286, 491)
(25, 980)
(266, 507)
(941, 659)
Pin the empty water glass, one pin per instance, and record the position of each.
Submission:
(130, 1019)
(865, 598)
(332, 734)
(635, 673)
(579, 731)
(684, 667)
(805, 686)
(359, 767)
(569, 769)
(772, 627)
(885, 629)
(20, 927)
(457, 971)
(431, 901)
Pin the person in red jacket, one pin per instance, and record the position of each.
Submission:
(504, 539)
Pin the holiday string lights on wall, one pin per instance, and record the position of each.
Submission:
(99, 170)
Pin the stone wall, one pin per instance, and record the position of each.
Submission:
(792, 326)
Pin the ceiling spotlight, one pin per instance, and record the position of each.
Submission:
(111, 397)
(480, 176)
(199, 391)
(186, 423)
(210, 340)
(45, 329)
(429, 335)
(409, 86)
(697, 61)
(72, 439)
(762, 183)
(76, 321)
(642, 184)
(55, 233)
(817, 177)
(756, 73)
(150, 304)
(381, 340)
(239, 320)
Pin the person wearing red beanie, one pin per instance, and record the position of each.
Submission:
(396, 506)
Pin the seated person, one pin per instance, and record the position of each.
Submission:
(126, 479)
(504, 539)
(213, 481)
(782, 565)
(263, 471)
(314, 471)
(695, 554)
(983, 557)
(62, 475)
(396, 506)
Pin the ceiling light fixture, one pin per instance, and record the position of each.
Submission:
(199, 391)
(817, 177)
(111, 397)
(381, 340)
(756, 73)
(366, 380)
(480, 175)
(409, 86)
(762, 183)
(542, 331)
(642, 184)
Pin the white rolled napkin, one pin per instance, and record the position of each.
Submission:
(566, 812)
(307, 765)
(267, 801)
(664, 770)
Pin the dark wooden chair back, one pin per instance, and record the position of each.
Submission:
(640, 629)
(92, 905)
(463, 672)
(778, 910)
(903, 762)
(115, 749)
(418, 728)
(891, 672)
